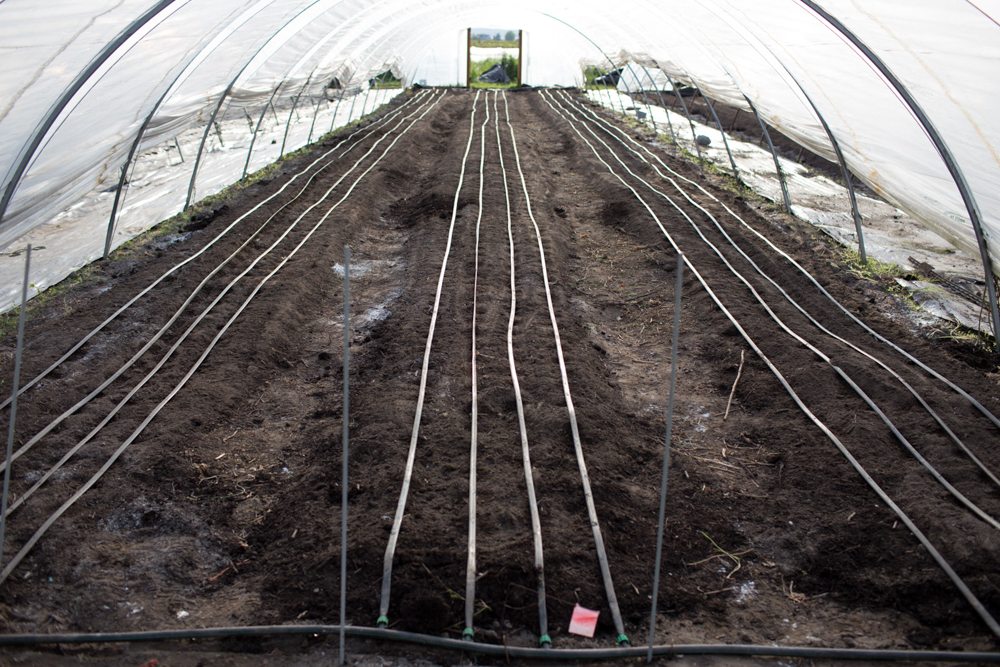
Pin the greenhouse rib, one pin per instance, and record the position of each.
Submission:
(390, 549)
(80, 404)
(975, 509)
(191, 371)
(595, 525)
(131, 302)
(959, 583)
(536, 524)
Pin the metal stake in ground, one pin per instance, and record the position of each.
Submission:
(13, 397)
(678, 285)
(346, 419)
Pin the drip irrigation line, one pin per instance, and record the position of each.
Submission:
(159, 334)
(595, 525)
(470, 567)
(83, 341)
(564, 654)
(958, 495)
(191, 371)
(937, 418)
(390, 549)
(812, 279)
(536, 524)
(959, 583)
(176, 345)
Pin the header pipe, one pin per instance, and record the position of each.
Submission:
(556, 655)
(971, 206)
(774, 154)
(28, 150)
(225, 94)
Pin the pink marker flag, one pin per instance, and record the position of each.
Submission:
(584, 621)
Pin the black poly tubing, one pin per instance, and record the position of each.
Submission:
(961, 445)
(80, 404)
(135, 434)
(945, 566)
(361, 632)
(937, 418)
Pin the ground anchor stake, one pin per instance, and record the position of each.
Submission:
(678, 285)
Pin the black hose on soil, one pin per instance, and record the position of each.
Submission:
(742, 650)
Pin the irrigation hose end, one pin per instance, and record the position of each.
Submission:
(622, 640)
(382, 621)
(468, 634)
(545, 641)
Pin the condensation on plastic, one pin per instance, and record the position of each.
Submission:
(281, 56)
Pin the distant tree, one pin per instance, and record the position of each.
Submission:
(497, 37)
(509, 63)
(510, 36)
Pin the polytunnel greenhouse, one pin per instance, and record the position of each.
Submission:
(340, 330)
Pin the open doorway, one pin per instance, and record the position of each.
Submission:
(494, 58)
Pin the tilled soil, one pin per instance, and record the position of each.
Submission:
(225, 509)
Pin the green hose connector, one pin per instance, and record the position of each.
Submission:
(382, 621)
(468, 634)
(545, 641)
(622, 640)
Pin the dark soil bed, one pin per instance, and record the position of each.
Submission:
(225, 511)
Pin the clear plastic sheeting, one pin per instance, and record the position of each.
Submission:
(635, 76)
(157, 184)
(210, 77)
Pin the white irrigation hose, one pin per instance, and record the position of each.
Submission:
(83, 341)
(959, 583)
(812, 279)
(544, 639)
(595, 525)
(975, 509)
(390, 549)
(470, 567)
(607, 127)
(176, 345)
(149, 418)
(159, 334)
